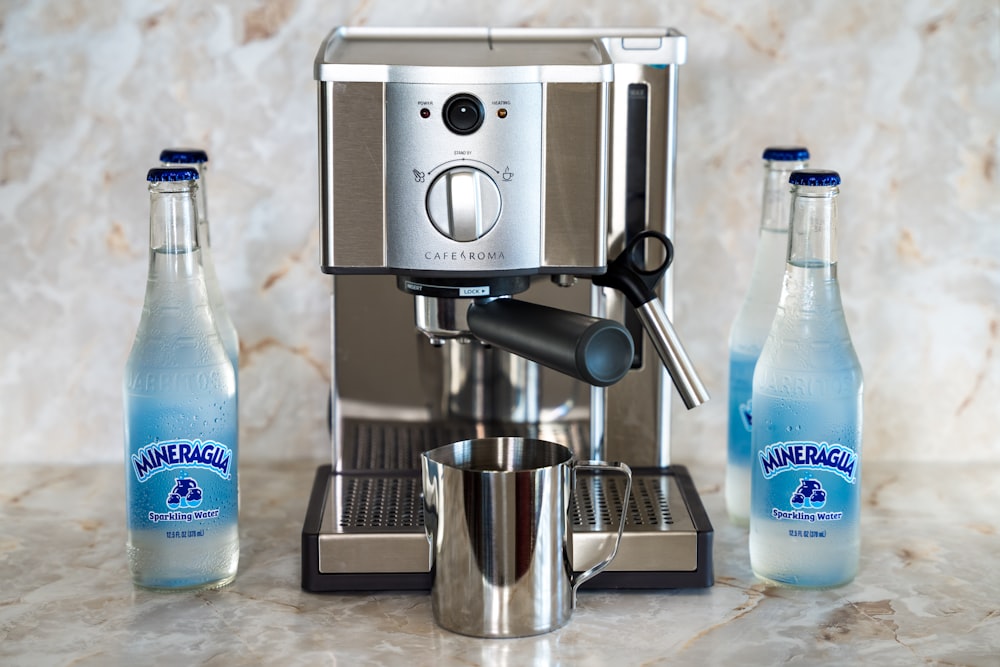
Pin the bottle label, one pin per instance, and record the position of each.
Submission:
(809, 481)
(183, 481)
(159, 456)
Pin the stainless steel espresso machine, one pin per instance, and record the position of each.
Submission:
(495, 213)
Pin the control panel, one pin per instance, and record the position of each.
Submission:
(463, 174)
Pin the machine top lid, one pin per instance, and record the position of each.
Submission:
(421, 55)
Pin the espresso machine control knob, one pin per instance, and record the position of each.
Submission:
(463, 203)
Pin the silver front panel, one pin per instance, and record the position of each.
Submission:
(375, 150)
(507, 151)
(379, 159)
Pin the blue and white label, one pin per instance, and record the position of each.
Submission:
(800, 481)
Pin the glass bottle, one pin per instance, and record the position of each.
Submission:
(198, 159)
(181, 479)
(807, 408)
(749, 330)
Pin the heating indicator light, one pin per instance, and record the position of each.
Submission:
(501, 113)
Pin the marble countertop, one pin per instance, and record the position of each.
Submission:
(928, 590)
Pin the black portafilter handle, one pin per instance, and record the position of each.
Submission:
(587, 348)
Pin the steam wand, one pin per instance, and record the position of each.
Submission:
(638, 284)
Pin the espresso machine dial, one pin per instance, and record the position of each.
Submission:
(463, 203)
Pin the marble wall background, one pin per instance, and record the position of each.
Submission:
(903, 98)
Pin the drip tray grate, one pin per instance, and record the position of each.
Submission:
(365, 525)
(598, 502)
(364, 531)
(381, 502)
(384, 502)
(396, 446)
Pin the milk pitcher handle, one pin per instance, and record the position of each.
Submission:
(612, 467)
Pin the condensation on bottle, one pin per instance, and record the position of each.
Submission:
(807, 410)
(180, 417)
(754, 318)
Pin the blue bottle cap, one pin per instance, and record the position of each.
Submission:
(183, 155)
(786, 153)
(161, 174)
(820, 177)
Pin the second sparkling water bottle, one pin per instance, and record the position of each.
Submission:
(197, 158)
(754, 320)
(807, 411)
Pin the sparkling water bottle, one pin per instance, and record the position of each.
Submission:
(198, 159)
(754, 320)
(181, 481)
(807, 409)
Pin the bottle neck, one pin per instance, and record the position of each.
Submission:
(201, 204)
(200, 200)
(173, 227)
(812, 239)
(775, 210)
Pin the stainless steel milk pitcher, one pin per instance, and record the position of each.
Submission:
(497, 515)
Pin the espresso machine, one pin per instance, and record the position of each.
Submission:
(496, 207)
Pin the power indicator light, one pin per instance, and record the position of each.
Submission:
(501, 113)
(425, 112)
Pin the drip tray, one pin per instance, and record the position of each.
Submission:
(364, 531)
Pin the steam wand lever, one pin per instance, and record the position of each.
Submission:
(638, 284)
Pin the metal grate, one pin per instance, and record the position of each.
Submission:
(598, 502)
(380, 487)
(394, 503)
(381, 502)
(395, 446)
